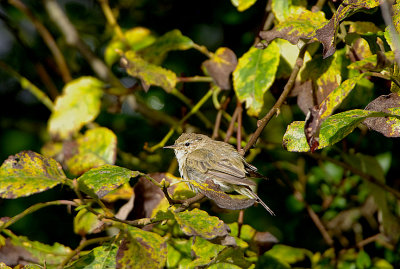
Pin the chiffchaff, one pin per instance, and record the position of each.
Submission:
(201, 158)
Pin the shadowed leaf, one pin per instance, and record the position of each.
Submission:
(173, 40)
(141, 249)
(148, 73)
(102, 257)
(388, 126)
(375, 62)
(27, 173)
(99, 181)
(254, 75)
(96, 147)
(198, 223)
(85, 222)
(78, 105)
(220, 66)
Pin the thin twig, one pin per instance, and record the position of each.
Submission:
(195, 79)
(239, 128)
(231, 127)
(47, 38)
(111, 19)
(288, 87)
(219, 116)
(32, 209)
(320, 226)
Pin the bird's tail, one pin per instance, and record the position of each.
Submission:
(251, 194)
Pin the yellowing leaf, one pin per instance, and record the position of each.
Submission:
(27, 173)
(142, 249)
(149, 74)
(254, 75)
(85, 222)
(96, 147)
(78, 105)
(242, 5)
(220, 66)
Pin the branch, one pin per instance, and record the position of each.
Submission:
(275, 109)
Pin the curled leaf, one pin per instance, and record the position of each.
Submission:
(220, 66)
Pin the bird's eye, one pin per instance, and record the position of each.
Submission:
(187, 144)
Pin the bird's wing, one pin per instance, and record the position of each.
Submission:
(212, 166)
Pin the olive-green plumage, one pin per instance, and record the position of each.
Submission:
(201, 158)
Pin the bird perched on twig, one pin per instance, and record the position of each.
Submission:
(202, 159)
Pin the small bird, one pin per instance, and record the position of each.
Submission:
(203, 159)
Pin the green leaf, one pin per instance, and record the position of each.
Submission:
(198, 223)
(27, 173)
(333, 129)
(288, 254)
(149, 74)
(373, 62)
(37, 252)
(178, 252)
(253, 76)
(267, 261)
(363, 260)
(136, 38)
(173, 40)
(205, 251)
(242, 5)
(102, 257)
(142, 249)
(96, 147)
(232, 256)
(300, 24)
(85, 222)
(78, 105)
(281, 9)
(99, 181)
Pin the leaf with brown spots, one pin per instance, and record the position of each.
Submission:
(96, 147)
(300, 24)
(327, 34)
(141, 249)
(99, 181)
(388, 126)
(198, 223)
(220, 66)
(27, 173)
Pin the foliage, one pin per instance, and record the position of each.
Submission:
(116, 93)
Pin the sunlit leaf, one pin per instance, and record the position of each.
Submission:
(96, 147)
(148, 73)
(220, 66)
(300, 24)
(254, 75)
(173, 40)
(78, 105)
(99, 181)
(333, 129)
(135, 39)
(142, 249)
(102, 257)
(197, 222)
(327, 34)
(242, 5)
(388, 126)
(85, 222)
(205, 251)
(27, 173)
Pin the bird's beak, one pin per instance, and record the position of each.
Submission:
(170, 147)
